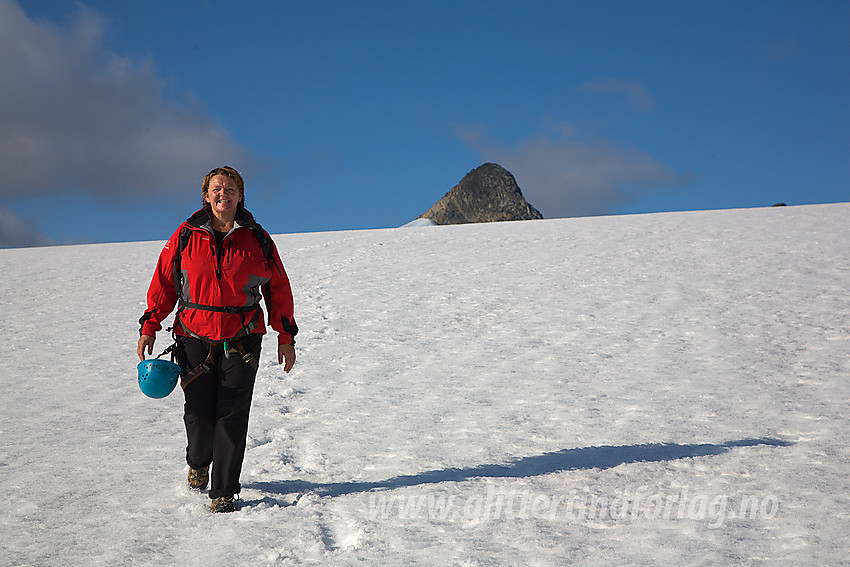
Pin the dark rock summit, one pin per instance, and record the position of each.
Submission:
(486, 194)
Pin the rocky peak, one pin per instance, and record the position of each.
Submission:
(486, 194)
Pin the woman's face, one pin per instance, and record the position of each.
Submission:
(223, 195)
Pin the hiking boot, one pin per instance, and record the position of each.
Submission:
(223, 504)
(198, 478)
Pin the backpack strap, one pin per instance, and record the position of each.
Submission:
(182, 241)
(265, 246)
(244, 309)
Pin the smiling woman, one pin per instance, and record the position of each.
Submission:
(213, 269)
(221, 201)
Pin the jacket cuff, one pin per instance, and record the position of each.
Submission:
(149, 329)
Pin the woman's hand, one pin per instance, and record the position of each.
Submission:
(287, 353)
(146, 341)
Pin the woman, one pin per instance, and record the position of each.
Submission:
(213, 268)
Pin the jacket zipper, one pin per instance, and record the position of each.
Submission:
(216, 252)
(218, 256)
(223, 254)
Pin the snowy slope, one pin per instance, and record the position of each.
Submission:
(652, 390)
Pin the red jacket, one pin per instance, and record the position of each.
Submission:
(230, 276)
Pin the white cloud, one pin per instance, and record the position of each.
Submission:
(77, 117)
(564, 177)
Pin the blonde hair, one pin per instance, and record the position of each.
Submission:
(227, 171)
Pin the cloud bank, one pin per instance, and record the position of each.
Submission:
(15, 232)
(76, 117)
(565, 177)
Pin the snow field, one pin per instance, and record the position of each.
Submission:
(543, 376)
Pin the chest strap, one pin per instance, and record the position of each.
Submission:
(183, 304)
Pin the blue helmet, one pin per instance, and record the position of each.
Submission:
(157, 378)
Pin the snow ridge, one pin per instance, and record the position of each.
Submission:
(647, 390)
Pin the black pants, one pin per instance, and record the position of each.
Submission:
(216, 410)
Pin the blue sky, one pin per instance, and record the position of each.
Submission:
(362, 114)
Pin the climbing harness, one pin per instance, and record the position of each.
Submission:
(233, 343)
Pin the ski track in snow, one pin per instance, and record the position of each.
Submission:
(611, 358)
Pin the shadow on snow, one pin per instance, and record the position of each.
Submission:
(604, 457)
